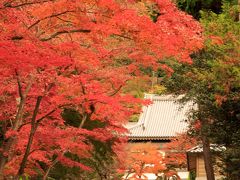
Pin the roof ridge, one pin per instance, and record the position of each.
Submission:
(169, 97)
(135, 126)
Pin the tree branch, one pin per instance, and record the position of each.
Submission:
(30, 139)
(83, 120)
(122, 36)
(83, 89)
(9, 4)
(116, 90)
(65, 32)
(20, 127)
(49, 168)
(64, 20)
(19, 85)
(22, 104)
(53, 15)
(46, 115)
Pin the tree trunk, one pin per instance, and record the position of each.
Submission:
(26, 154)
(84, 119)
(207, 158)
(1, 172)
(49, 169)
(30, 139)
(18, 120)
(7, 146)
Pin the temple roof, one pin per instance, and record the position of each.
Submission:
(161, 120)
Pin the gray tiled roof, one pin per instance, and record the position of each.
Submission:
(213, 147)
(163, 119)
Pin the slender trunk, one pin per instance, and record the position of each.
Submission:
(30, 139)
(207, 158)
(26, 154)
(47, 173)
(23, 95)
(49, 169)
(7, 146)
(18, 120)
(55, 161)
(1, 171)
(83, 120)
(128, 174)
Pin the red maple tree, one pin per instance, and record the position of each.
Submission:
(76, 54)
(175, 150)
(145, 158)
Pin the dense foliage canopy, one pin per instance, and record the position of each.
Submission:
(75, 56)
(194, 7)
(213, 82)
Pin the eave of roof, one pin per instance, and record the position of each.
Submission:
(213, 147)
(151, 138)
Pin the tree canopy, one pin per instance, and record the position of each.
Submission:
(213, 83)
(67, 55)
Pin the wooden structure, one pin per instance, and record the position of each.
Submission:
(196, 164)
(159, 123)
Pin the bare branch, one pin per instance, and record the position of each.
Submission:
(53, 15)
(46, 115)
(83, 120)
(49, 168)
(116, 90)
(122, 36)
(9, 4)
(23, 124)
(47, 89)
(18, 119)
(19, 84)
(64, 20)
(65, 32)
(35, 112)
(83, 89)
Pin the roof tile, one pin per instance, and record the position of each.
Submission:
(162, 119)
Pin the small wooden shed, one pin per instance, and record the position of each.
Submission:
(196, 164)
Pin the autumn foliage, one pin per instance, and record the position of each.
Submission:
(175, 150)
(145, 158)
(69, 54)
(148, 157)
